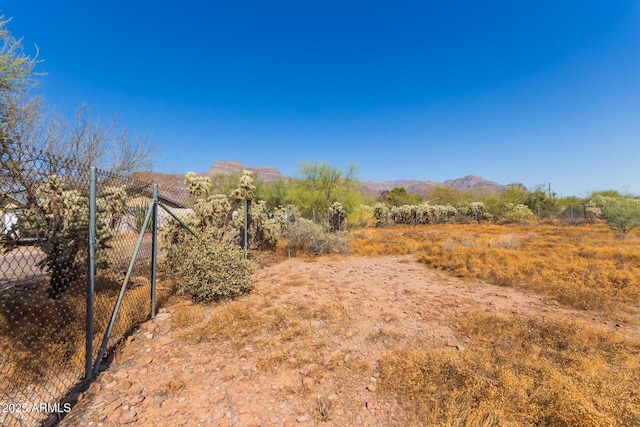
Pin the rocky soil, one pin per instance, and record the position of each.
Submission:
(370, 306)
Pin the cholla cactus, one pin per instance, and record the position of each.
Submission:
(405, 214)
(596, 207)
(476, 210)
(517, 213)
(245, 187)
(212, 211)
(425, 213)
(197, 186)
(59, 225)
(381, 213)
(283, 216)
(264, 228)
(114, 203)
(223, 219)
(337, 215)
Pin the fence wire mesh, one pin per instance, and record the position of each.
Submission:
(44, 208)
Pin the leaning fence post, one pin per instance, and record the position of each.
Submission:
(91, 275)
(154, 249)
(114, 314)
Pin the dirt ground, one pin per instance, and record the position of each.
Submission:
(371, 305)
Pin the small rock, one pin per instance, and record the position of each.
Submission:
(308, 382)
(123, 385)
(303, 418)
(148, 326)
(165, 341)
(114, 416)
(128, 417)
(149, 335)
(94, 388)
(136, 400)
(372, 387)
(106, 378)
(162, 317)
(121, 374)
(146, 360)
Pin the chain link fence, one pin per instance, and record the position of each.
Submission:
(49, 340)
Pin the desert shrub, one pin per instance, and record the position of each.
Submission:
(209, 270)
(362, 217)
(622, 214)
(284, 217)
(517, 213)
(306, 236)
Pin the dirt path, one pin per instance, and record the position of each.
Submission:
(357, 309)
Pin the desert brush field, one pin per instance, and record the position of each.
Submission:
(445, 325)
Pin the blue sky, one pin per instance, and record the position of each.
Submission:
(533, 92)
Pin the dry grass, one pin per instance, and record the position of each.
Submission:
(282, 333)
(42, 339)
(521, 371)
(584, 267)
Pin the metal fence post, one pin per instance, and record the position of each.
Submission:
(246, 225)
(91, 275)
(154, 249)
(114, 314)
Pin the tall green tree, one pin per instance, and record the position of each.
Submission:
(399, 196)
(621, 213)
(276, 193)
(318, 185)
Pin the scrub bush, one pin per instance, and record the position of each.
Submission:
(210, 270)
(309, 237)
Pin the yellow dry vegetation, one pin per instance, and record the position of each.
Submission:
(585, 267)
(47, 338)
(523, 370)
(281, 333)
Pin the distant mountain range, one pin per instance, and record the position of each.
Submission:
(269, 174)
